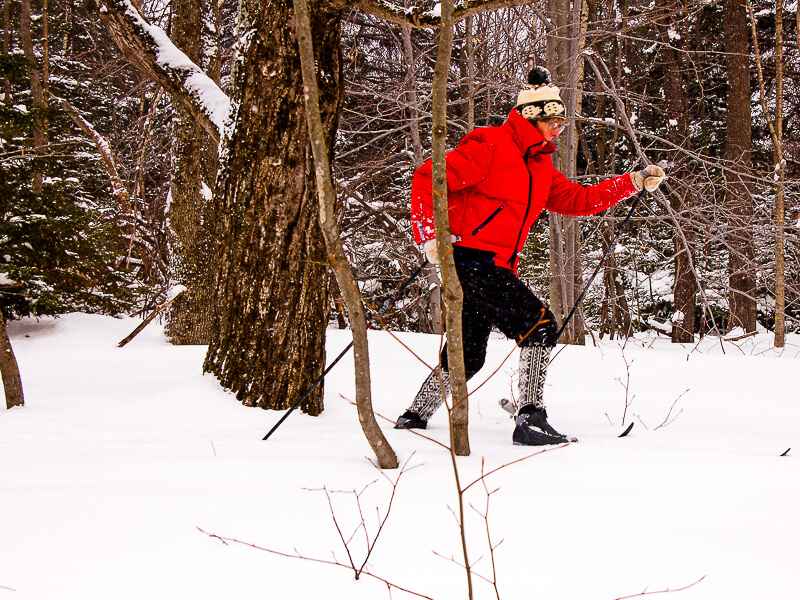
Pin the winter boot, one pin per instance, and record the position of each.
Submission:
(428, 399)
(532, 428)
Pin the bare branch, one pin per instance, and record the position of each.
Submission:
(666, 591)
(118, 188)
(416, 17)
(227, 541)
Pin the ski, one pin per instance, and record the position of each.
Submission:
(508, 405)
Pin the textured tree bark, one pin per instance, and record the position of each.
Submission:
(739, 201)
(270, 287)
(194, 171)
(9, 369)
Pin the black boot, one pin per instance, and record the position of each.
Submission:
(532, 429)
(410, 420)
(430, 397)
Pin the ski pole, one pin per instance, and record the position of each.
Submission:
(384, 309)
(602, 262)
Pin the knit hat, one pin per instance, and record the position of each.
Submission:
(540, 100)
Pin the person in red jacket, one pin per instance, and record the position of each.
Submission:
(499, 179)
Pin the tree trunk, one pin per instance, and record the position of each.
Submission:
(333, 242)
(453, 295)
(38, 90)
(9, 369)
(431, 320)
(739, 201)
(780, 192)
(565, 260)
(6, 13)
(194, 171)
(685, 288)
(616, 316)
(271, 304)
(775, 125)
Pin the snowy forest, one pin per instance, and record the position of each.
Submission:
(205, 203)
(157, 153)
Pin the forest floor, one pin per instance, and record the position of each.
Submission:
(126, 467)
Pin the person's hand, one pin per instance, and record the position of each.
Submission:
(648, 178)
(431, 252)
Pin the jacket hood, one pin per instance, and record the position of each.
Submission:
(526, 136)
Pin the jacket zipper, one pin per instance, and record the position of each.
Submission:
(487, 221)
(513, 258)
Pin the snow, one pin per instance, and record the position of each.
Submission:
(121, 454)
(215, 103)
(175, 291)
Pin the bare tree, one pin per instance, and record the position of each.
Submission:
(453, 295)
(739, 200)
(775, 124)
(333, 243)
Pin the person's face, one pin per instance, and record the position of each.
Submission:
(550, 128)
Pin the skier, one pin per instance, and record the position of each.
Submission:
(499, 180)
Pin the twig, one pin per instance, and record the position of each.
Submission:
(626, 385)
(513, 462)
(666, 591)
(335, 563)
(369, 544)
(485, 516)
(667, 420)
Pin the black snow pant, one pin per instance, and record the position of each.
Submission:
(495, 296)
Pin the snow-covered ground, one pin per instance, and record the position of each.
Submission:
(121, 455)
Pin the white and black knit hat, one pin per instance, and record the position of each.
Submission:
(540, 100)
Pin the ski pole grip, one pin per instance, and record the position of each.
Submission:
(662, 163)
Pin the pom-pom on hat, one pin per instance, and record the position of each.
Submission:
(540, 100)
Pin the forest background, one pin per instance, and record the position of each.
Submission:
(123, 186)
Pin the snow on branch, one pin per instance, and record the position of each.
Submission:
(150, 50)
(417, 17)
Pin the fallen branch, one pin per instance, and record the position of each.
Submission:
(178, 291)
(740, 337)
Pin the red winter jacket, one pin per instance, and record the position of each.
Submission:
(499, 179)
